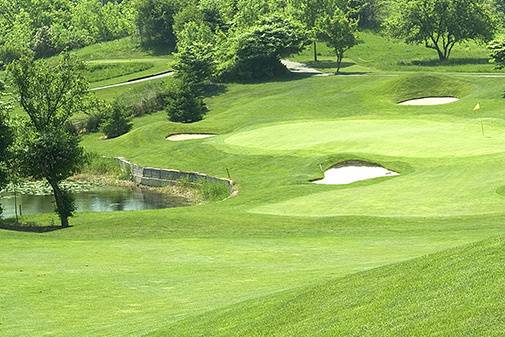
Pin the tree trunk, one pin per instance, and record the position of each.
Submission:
(339, 62)
(314, 43)
(60, 202)
(441, 55)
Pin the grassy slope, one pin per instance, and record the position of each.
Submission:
(454, 293)
(122, 60)
(128, 273)
(377, 53)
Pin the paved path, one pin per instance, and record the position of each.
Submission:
(139, 80)
(300, 68)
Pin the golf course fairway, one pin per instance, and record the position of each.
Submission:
(284, 247)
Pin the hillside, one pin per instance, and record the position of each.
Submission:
(453, 293)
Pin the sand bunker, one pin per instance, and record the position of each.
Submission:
(430, 101)
(188, 136)
(352, 171)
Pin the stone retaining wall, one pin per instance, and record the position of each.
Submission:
(156, 177)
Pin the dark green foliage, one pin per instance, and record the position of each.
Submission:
(95, 110)
(338, 31)
(148, 98)
(256, 52)
(195, 60)
(441, 24)
(155, 20)
(368, 13)
(47, 148)
(6, 139)
(497, 51)
(184, 104)
(188, 14)
(117, 122)
(52, 154)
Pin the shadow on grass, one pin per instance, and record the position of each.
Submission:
(28, 227)
(328, 64)
(215, 89)
(450, 62)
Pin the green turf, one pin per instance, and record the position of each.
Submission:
(122, 60)
(454, 293)
(132, 273)
(379, 53)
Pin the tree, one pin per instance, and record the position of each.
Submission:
(497, 51)
(117, 122)
(441, 24)
(6, 139)
(338, 31)
(309, 11)
(256, 52)
(48, 149)
(195, 60)
(155, 19)
(184, 105)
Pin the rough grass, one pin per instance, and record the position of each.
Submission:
(104, 71)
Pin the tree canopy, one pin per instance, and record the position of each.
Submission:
(441, 24)
(48, 149)
(338, 31)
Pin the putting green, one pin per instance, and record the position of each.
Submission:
(399, 138)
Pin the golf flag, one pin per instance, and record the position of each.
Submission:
(477, 108)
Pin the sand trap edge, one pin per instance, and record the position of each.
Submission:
(429, 101)
(181, 137)
(353, 163)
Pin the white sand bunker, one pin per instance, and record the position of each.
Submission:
(351, 171)
(430, 101)
(179, 137)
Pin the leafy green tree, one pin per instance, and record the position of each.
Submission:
(155, 20)
(16, 38)
(195, 60)
(339, 33)
(184, 105)
(256, 52)
(6, 138)
(117, 122)
(441, 24)
(497, 51)
(309, 11)
(188, 14)
(48, 149)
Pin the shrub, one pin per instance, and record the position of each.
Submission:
(214, 191)
(149, 98)
(497, 51)
(256, 53)
(96, 111)
(117, 122)
(195, 60)
(184, 104)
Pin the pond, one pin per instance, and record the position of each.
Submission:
(102, 200)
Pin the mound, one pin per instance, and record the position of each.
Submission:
(454, 293)
(416, 86)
